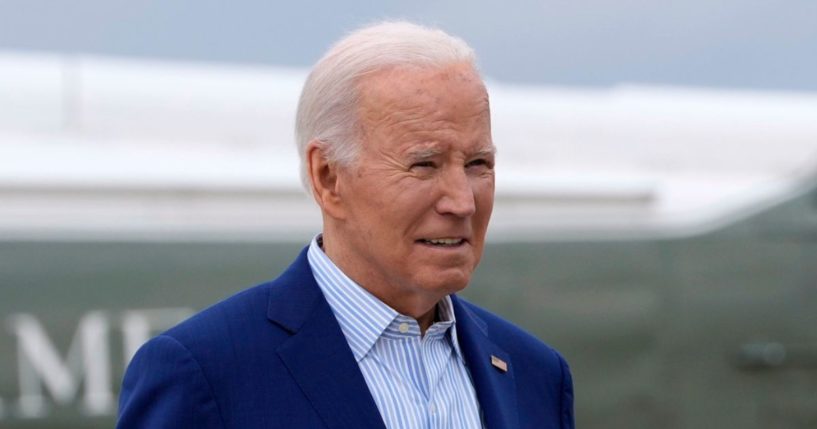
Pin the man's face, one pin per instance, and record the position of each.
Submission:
(420, 194)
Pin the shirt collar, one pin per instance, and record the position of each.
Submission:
(363, 317)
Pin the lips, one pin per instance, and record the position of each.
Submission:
(444, 242)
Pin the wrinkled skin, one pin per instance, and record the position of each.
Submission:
(425, 173)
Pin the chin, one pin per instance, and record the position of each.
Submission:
(448, 283)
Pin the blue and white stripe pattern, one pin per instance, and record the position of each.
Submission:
(416, 381)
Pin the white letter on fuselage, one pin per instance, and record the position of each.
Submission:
(40, 364)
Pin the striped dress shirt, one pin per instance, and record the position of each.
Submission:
(417, 381)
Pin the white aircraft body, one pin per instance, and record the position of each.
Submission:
(95, 148)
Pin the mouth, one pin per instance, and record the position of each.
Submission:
(443, 242)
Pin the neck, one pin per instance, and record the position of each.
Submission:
(425, 321)
(421, 307)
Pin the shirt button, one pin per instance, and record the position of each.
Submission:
(404, 328)
(432, 409)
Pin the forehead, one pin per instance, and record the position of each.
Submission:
(410, 86)
(439, 101)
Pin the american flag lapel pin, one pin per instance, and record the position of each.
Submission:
(499, 363)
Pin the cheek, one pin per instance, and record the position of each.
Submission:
(396, 211)
(366, 196)
(484, 195)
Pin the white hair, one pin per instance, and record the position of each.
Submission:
(327, 110)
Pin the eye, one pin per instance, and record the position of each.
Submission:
(480, 162)
(422, 164)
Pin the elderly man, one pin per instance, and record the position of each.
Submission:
(364, 330)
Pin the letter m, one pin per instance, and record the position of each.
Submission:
(40, 364)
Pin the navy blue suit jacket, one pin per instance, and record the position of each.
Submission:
(274, 356)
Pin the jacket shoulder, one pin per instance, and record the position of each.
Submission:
(281, 303)
(247, 307)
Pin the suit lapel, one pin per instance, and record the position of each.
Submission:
(317, 354)
(496, 389)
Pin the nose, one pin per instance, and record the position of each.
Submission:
(456, 194)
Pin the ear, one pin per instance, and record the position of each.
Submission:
(324, 180)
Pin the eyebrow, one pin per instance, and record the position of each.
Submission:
(424, 153)
(490, 151)
(432, 152)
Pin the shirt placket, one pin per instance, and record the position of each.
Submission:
(436, 360)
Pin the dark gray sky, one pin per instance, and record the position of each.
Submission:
(765, 44)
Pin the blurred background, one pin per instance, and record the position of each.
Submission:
(656, 207)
